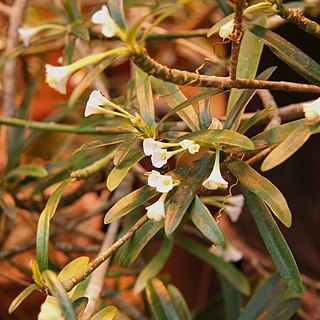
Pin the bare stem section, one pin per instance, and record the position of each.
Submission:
(152, 67)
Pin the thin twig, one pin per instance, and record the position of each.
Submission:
(268, 101)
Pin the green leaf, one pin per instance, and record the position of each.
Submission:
(27, 170)
(7, 204)
(267, 296)
(154, 266)
(107, 313)
(263, 188)
(274, 240)
(72, 9)
(119, 172)
(124, 149)
(145, 98)
(288, 53)
(209, 137)
(79, 306)
(117, 13)
(36, 274)
(172, 96)
(140, 3)
(284, 310)
(43, 229)
(129, 203)
(57, 290)
(248, 61)
(259, 115)
(287, 147)
(205, 118)
(81, 30)
(185, 193)
(162, 307)
(226, 270)
(138, 241)
(179, 302)
(232, 299)
(73, 267)
(22, 295)
(203, 220)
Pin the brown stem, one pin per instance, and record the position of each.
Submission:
(152, 67)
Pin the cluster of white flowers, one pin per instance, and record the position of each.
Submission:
(228, 253)
(160, 155)
(312, 110)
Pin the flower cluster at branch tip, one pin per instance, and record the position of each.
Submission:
(215, 179)
(162, 183)
(103, 18)
(160, 155)
(312, 110)
(229, 253)
(234, 207)
(226, 30)
(96, 99)
(57, 77)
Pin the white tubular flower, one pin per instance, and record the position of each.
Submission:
(229, 253)
(226, 30)
(27, 34)
(162, 183)
(233, 212)
(312, 110)
(215, 179)
(156, 211)
(103, 18)
(149, 145)
(160, 157)
(57, 77)
(190, 145)
(96, 99)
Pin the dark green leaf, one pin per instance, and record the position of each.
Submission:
(263, 188)
(72, 9)
(27, 170)
(160, 301)
(124, 149)
(287, 147)
(140, 3)
(117, 13)
(43, 229)
(81, 31)
(266, 297)
(284, 311)
(179, 302)
(288, 53)
(274, 240)
(205, 118)
(107, 313)
(185, 193)
(145, 98)
(119, 172)
(154, 266)
(139, 240)
(209, 137)
(79, 306)
(22, 295)
(226, 270)
(203, 220)
(57, 290)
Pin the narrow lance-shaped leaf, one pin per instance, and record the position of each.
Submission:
(274, 240)
(226, 270)
(27, 170)
(139, 240)
(185, 193)
(287, 147)
(79, 306)
(179, 302)
(22, 296)
(107, 313)
(263, 188)
(160, 301)
(145, 98)
(123, 149)
(284, 310)
(117, 12)
(43, 229)
(205, 223)
(154, 266)
(288, 53)
(57, 290)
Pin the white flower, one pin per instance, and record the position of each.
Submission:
(96, 99)
(312, 110)
(26, 35)
(57, 77)
(234, 207)
(160, 157)
(226, 30)
(229, 253)
(190, 145)
(149, 145)
(156, 211)
(108, 25)
(162, 183)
